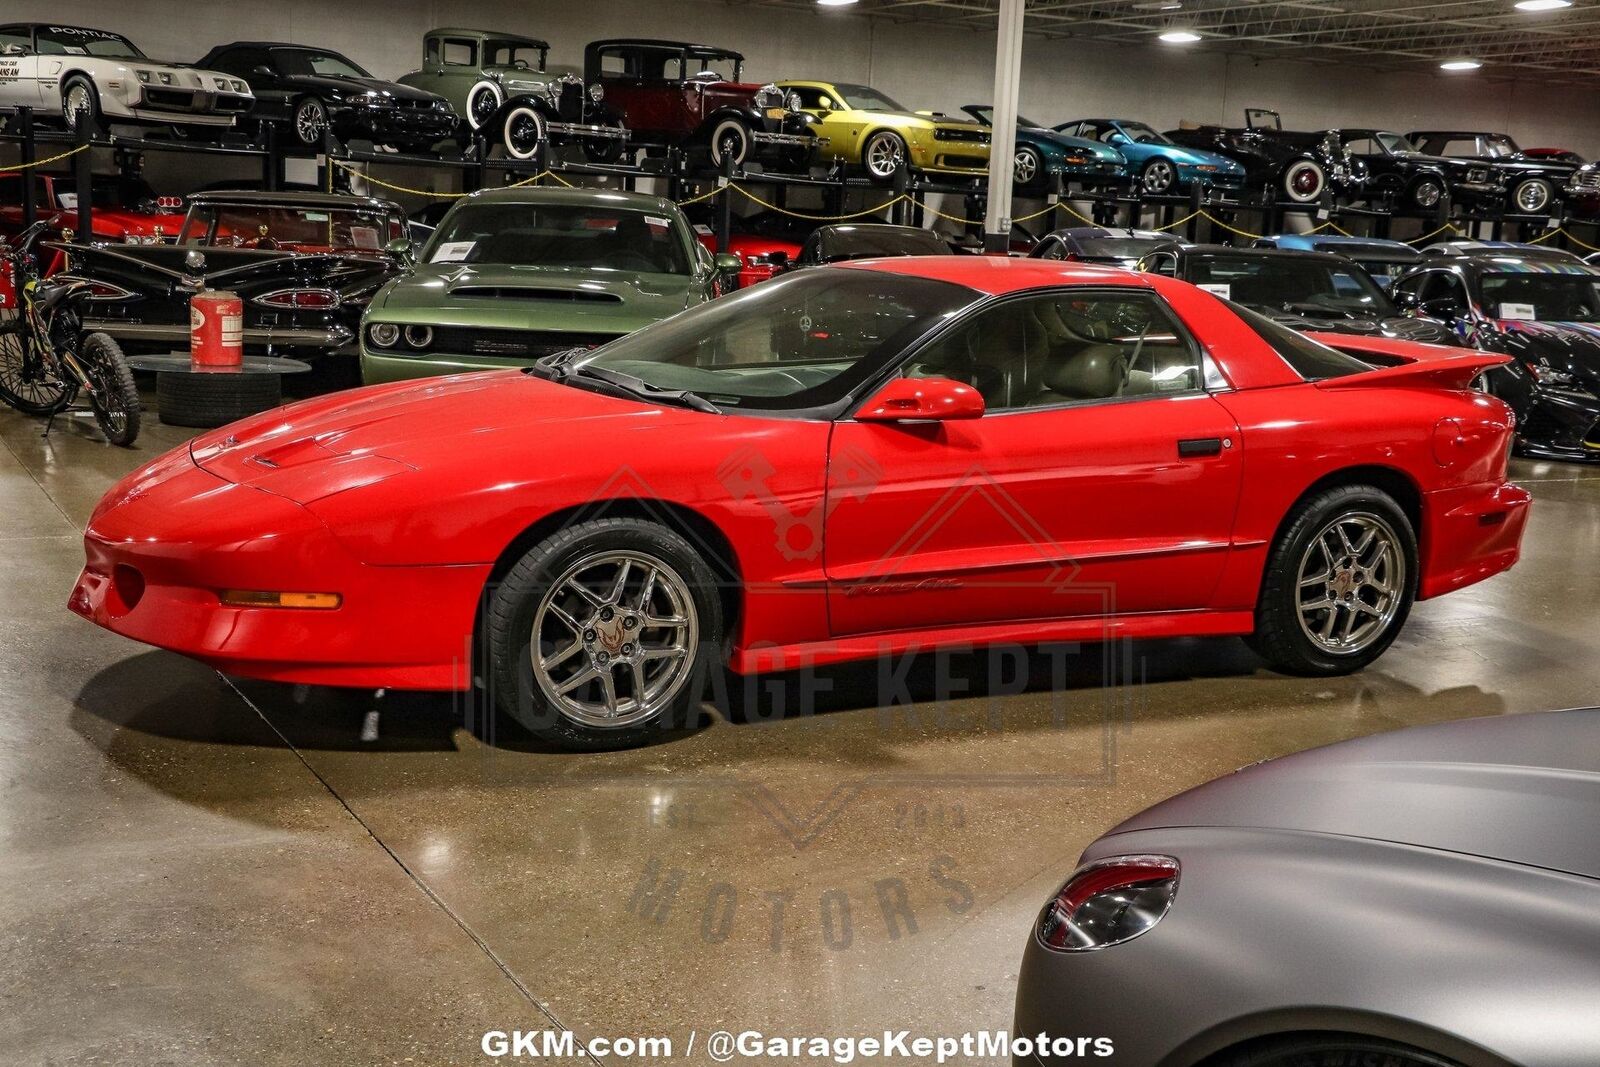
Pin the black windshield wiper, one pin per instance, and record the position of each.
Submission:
(554, 365)
(643, 389)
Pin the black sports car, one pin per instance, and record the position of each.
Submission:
(1414, 179)
(1298, 166)
(1543, 312)
(1100, 244)
(873, 240)
(1316, 291)
(1534, 184)
(305, 265)
(310, 90)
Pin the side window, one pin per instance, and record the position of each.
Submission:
(15, 37)
(430, 51)
(617, 65)
(810, 99)
(459, 53)
(1363, 146)
(1409, 290)
(1444, 291)
(1162, 263)
(1063, 348)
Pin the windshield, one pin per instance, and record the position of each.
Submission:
(276, 228)
(598, 236)
(309, 61)
(1118, 248)
(1500, 146)
(1393, 142)
(865, 98)
(799, 341)
(1305, 286)
(985, 115)
(72, 41)
(508, 53)
(1310, 359)
(1542, 297)
(863, 242)
(1139, 132)
(712, 68)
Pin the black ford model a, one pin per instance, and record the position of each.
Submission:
(1298, 166)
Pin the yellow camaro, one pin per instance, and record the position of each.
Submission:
(858, 124)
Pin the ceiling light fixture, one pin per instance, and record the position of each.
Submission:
(1460, 64)
(1542, 5)
(1180, 37)
(835, 3)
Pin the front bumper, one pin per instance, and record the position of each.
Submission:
(1560, 426)
(385, 124)
(1211, 179)
(168, 539)
(328, 338)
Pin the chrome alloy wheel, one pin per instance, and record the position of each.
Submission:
(1532, 197)
(78, 103)
(1024, 167)
(614, 639)
(1158, 177)
(310, 119)
(1352, 582)
(884, 155)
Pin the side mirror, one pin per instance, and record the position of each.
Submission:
(1117, 137)
(402, 249)
(922, 400)
(1444, 309)
(727, 263)
(1406, 301)
(263, 70)
(824, 104)
(776, 258)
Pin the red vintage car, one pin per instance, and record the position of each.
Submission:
(754, 252)
(125, 209)
(845, 462)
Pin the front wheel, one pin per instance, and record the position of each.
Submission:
(1158, 178)
(602, 635)
(523, 132)
(80, 103)
(1339, 583)
(882, 155)
(1427, 193)
(1027, 167)
(310, 121)
(27, 383)
(1305, 1049)
(730, 141)
(116, 397)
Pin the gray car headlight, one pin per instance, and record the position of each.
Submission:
(1560, 381)
(1108, 902)
(383, 334)
(597, 92)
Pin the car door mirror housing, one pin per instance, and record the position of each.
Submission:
(261, 70)
(402, 249)
(1406, 301)
(1444, 308)
(727, 263)
(922, 400)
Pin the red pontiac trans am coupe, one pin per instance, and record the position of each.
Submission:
(846, 462)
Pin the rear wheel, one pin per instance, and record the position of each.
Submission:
(1532, 197)
(1327, 1050)
(26, 383)
(602, 635)
(482, 102)
(116, 397)
(1303, 181)
(80, 102)
(1427, 192)
(1339, 583)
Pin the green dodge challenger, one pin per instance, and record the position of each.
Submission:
(513, 275)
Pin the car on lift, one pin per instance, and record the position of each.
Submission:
(1041, 153)
(1545, 315)
(500, 84)
(1298, 167)
(124, 208)
(1383, 259)
(843, 242)
(1101, 244)
(1158, 164)
(1534, 185)
(304, 264)
(1428, 897)
(1315, 291)
(599, 536)
(1518, 249)
(1556, 155)
(514, 275)
(1583, 191)
(73, 73)
(1414, 180)
(858, 125)
(307, 91)
(674, 93)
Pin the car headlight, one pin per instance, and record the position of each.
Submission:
(769, 96)
(239, 86)
(793, 103)
(419, 337)
(166, 77)
(597, 92)
(144, 76)
(1108, 902)
(1560, 381)
(383, 334)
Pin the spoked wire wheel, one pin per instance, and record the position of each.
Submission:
(26, 383)
(614, 639)
(1352, 581)
(116, 396)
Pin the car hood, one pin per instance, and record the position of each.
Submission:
(352, 86)
(1080, 145)
(1193, 157)
(501, 294)
(314, 449)
(1401, 327)
(1518, 788)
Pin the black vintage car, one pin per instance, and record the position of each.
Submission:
(870, 240)
(305, 265)
(1100, 244)
(1316, 291)
(1297, 166)
(309, 90)
(1533, 185)
(1545, 314)
(1414, 180)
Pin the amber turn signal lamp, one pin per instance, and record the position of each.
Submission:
(255, 598)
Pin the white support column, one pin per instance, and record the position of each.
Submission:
(1003, 146)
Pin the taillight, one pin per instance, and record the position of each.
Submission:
(169, 203)
(300, 299)
(1108, 902)
(97, 290)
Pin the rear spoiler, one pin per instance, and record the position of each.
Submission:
(1423, 365)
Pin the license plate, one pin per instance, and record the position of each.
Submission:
(777, 113)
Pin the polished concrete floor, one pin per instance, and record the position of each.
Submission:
(198, 871)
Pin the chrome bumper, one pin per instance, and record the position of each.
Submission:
(329, 338)
(579, 129)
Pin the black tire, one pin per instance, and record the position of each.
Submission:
(91, 103)
(1281, 635)
(308, 121)
(116, 396)
(483, 100)
(1427, 191)
(210, 400)
(1325, 1050)
(730, 139)
(1532, 196)
(18, 372)
(515, 601)
(523, 131)
(877, 150)
(1158, 177)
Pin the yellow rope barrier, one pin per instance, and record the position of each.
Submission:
(752, 197)
(1452, 227)
(715, 191)
(433, 193)
(41, 162)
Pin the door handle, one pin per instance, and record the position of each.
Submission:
(1191, 447)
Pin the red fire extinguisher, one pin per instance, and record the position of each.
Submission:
(216, 329)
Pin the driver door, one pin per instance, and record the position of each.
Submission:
(1101, 479)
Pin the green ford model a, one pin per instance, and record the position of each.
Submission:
(515, 275)
(500, 84)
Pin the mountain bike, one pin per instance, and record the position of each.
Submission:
(46, 360)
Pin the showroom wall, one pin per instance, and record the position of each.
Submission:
(923, 66)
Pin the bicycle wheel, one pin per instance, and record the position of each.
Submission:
(26, 383)
(116, 397)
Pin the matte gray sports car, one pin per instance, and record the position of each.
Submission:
(1425, 898)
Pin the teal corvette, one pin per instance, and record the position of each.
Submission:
(1041, 153)
(1159, 165)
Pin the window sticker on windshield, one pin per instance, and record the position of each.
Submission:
(1519, 312)
(316, 216)
(452, 252)
(656, 221)
(1219, 289)
(702, 229)
(69, 201)
(364, 236)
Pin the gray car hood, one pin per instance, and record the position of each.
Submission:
(1518, 788)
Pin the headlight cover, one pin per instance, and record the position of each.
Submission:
(383, 334)
(1108, 902)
